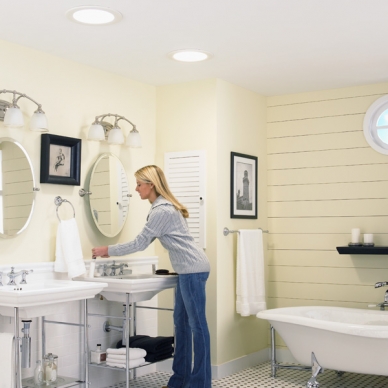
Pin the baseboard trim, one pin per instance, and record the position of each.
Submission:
(237, 365)
(228, 368)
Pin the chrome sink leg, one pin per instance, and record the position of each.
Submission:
(316, 369)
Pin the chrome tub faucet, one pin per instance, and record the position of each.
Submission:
(384, 304)
(13, 275)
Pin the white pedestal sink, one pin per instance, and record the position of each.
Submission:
(140, 287)
(44, 298)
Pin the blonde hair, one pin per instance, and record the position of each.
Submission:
(154, 174)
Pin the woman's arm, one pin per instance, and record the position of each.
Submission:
(156, 225)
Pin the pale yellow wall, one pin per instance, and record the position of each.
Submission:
(323, 180)
(241, 127)
(186, 120)
(72, 95)
(218, 117)
(190, 117)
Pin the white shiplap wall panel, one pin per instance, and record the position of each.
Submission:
(334, 174)
(326, 158)
(185, 173)
(328, 124)
(328, 107)
(323, 180)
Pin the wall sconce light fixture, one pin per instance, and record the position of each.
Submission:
(102, 130)
(12, 116)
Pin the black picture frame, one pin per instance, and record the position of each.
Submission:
(243, 186)
(60, 160)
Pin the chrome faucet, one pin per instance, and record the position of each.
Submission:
(13, 275)
(112, 267)
(115, 266)
(384, 304)
(122, 265)
(381, 284)
(104, 269)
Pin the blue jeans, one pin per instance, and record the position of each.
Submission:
(191, 329)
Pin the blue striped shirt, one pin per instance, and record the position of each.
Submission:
(168, 225)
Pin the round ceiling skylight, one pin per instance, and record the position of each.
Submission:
(93, 15)
(189, 55)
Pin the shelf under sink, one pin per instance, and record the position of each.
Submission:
(61, 382)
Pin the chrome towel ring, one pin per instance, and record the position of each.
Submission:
(58, 202)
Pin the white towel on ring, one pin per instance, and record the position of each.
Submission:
(250, 292)
(7, 370)
(68, 252)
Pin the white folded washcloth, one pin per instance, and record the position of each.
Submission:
(250, 285)
(133, 353)
(131, 364)
(68, 252)
(116, 351)
(7, 370)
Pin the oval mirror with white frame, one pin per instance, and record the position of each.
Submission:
(17, 182)
(109, 194)
(376, 125)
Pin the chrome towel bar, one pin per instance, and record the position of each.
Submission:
(227, 231)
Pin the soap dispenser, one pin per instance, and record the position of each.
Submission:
(38, 373)
(97, 356)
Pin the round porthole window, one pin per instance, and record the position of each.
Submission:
(376, 125)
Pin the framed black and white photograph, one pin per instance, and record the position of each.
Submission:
(60, 160)
(243, 186)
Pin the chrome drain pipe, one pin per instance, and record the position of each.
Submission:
(26, 344)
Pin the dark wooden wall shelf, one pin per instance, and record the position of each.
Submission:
(361, 250)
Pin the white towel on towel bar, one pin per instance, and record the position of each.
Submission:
(250, 292)
(68, 253)
(7, 370)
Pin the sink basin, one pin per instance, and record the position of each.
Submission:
(134, 276)
(140, 287)
(45, 298)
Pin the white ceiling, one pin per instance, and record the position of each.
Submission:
(272, 47)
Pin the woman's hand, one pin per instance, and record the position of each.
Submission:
(100, 251)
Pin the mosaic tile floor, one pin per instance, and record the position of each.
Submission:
(260, 376)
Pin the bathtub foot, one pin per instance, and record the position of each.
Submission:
(316, 369)
(339, 373)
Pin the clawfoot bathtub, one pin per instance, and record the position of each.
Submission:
(342, 339)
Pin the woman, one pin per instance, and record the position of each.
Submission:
(167, 222)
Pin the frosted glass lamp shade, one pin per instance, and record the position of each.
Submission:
(13, 117)
(38, 122)
(133, 140)
(115, 136)
(96, 132)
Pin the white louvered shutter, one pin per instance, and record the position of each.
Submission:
(185, 173)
